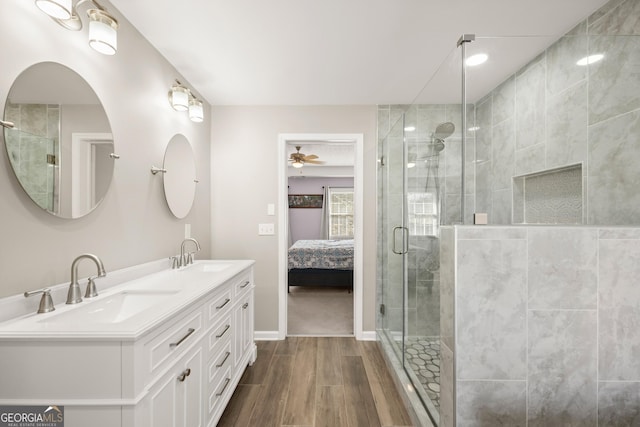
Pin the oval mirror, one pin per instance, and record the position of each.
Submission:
(179, 177)
(60, 146)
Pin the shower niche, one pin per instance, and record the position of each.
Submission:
(549, 197)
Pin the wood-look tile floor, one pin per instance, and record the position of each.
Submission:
(316, 382)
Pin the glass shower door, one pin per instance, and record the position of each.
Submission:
(392, 232)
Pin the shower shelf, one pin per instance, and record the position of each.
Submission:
(552, 196)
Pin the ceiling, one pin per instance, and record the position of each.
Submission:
(337, 52)
(337, 158)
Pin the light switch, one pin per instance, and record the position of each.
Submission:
(266, 229)
(271, 209)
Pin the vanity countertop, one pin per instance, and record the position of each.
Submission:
(128, 310)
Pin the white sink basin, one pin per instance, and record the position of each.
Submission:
(113, 309)
(210, 266)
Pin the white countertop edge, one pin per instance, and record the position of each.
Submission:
(117, 278)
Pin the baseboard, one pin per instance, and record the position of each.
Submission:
(368, 336)
(266, 335)
(275, 336)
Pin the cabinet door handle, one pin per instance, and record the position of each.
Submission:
(245, 284)
(184, 375)
(226, 301)
(226, 383)
(245, 305)
(223, 332)
(189, 332)
(226, 356)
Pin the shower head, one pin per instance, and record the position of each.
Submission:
(438, 145)
(444, 130)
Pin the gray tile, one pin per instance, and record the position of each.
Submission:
(491, 309)
(483, 133)
(566, 127)
(531, 159)
(613, 81)
(614, 147)
(530, 105)
(619, 310)
(562, 385)
(447, 388)
(518, 200)
(483, 188)
(447, 277)
(491, 404)
(616, 18)
(504, 97)
(501, 207)
(562, 268)
(619, 233)
(619, 404)
(562, 56)
(503, 155)
(491, 233)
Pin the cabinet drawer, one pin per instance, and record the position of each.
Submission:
(243, 283)
(220, 363)
(220, 304)
(172, 341)
(220, 334)
(218, 390)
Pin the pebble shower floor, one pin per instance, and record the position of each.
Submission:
(423, 357)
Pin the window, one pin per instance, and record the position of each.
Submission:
(340, 213)
(422, 215)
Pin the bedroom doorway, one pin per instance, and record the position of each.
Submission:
(320, 295)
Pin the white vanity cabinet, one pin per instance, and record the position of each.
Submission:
(179, 372)
(176, 399)
(203, 366)
(243, 319)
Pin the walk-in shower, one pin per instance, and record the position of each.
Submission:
(532, 145)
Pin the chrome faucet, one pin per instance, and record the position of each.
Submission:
(74, 295)
(186, 259)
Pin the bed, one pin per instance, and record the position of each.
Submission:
(321, 263)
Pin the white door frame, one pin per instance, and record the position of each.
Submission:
(283, 224)
(83, 170)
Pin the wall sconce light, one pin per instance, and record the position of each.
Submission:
(196, 110)
(103, 28)
(181, 99)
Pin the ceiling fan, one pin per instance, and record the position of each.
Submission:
(298, 159)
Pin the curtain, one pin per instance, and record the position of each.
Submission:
(289, 234)
(324, 222)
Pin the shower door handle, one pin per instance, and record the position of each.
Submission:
(405, 242)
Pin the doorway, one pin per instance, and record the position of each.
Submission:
(287, 144)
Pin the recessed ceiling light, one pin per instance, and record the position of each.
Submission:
(477, 59)
(409, 128)
(590, 59)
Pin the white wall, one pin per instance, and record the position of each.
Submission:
(306, 223)
(244, 173)
(133, 224)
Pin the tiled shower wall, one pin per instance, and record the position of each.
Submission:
(36, 134)
(553, 113)
(543, 322)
